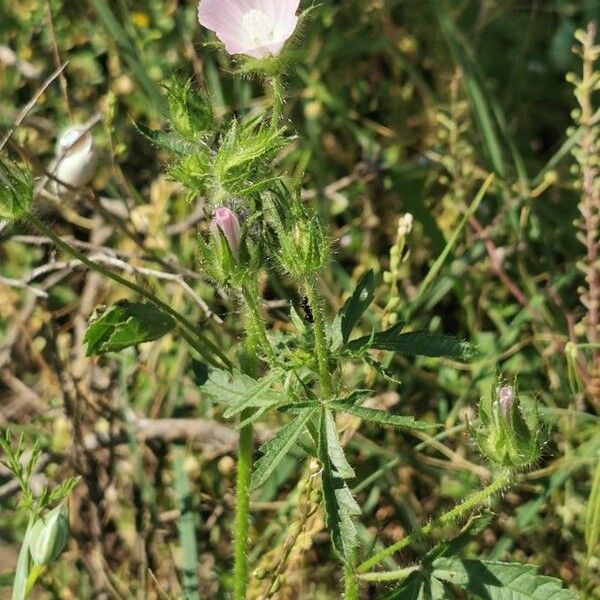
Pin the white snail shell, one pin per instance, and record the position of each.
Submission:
(76, 158)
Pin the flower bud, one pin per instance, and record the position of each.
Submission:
(49, 536)
(76, 159)
(507, 433)
(16, 189)
(303, 244)
(225, 221)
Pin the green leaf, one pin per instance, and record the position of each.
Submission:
(276, 448)
(334, 448)
(382, 417)
(491, 580)
(16, 189)
(238, 392)
(167, 140)
(421, 343)
(357, 304)
(411, 589)
(340, 506)
(126, 324)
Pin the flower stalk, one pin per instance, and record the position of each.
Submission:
(469, 504)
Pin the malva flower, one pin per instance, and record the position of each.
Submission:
(225, 221)
(257, 28)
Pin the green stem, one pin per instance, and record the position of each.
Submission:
(398, 575)
(242, 504)
(197, 339)
(320, 338)
(256, 337)
(277, 102)
(256, 324)
(350, 584)
(470, 503)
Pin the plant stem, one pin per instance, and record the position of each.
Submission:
(320, 338)
(277, 101)
(256, 336)
(256, 324)
(191, 334)
(242, 504)
(350, 584)
(470, 503)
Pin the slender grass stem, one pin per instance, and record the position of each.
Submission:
(195, 338)
(470, 503)
(320, 338)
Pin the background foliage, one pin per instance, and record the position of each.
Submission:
(400, 106)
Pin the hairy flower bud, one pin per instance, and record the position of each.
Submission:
(76, 159)
(507, 433)
(225, 221)
(49, 536)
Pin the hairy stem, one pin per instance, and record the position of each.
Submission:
(277, 101)
(255, 323)
(194, 337)
(350, 584)
(320, 338)
(469, 504)
(242, 504)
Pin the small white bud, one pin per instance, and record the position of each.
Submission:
(76, 159)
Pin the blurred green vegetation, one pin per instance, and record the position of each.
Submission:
(399, 106)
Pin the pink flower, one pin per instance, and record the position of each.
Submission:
(227, 222)
(258, 28)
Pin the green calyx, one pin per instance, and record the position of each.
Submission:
(303, 247)
(190, 111)
(508, 432)
(226, 267)
(49, 536)
(16, 189)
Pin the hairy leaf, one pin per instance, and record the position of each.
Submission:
(340, 506)
(382, 417)
(422, 343)
(238, 391)
(277, 447)
(126, 324)
(357, 304)
(167, 140)
(492, 580)
(334, 448)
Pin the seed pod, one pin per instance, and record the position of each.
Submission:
(49, 536)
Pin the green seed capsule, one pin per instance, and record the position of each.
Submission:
(49, 536)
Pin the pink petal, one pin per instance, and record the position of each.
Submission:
(220, 16)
